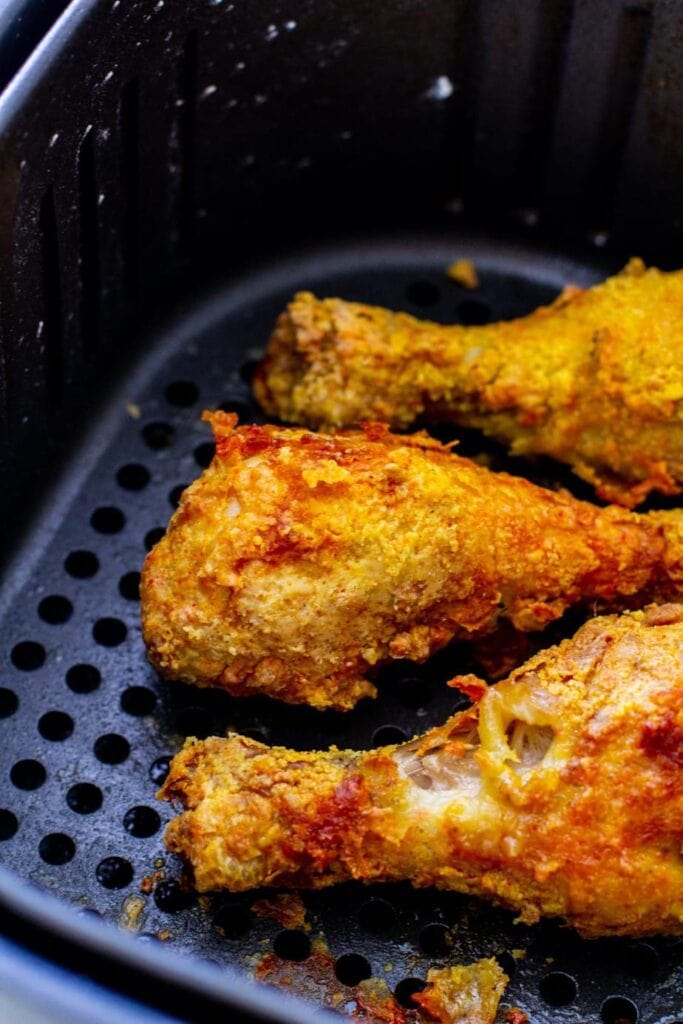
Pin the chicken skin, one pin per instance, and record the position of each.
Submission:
(559, 792)
(595, 380)
(299, 562)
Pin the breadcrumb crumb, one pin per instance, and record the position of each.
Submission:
(464, 273)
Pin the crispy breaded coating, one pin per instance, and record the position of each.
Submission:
(299, 562)
(594, 380)
(559, 793)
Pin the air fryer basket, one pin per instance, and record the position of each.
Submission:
(169, 175)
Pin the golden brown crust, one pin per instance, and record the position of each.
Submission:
(299, 562)
(594, 380)
(559, 793)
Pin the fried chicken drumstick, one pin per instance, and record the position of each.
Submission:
(594, 380)
(298, 562)
(559, 793)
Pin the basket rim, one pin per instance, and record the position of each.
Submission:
(41, 920)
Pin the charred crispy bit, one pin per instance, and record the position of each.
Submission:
(547, 796)
(594, 380)
(516, 1016)
(299, 562)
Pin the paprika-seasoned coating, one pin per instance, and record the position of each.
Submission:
(299, 562)
(559, 792)
(594, 380)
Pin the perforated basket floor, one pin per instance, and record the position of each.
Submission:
(86, 729)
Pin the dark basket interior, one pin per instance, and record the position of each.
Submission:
(159, 169)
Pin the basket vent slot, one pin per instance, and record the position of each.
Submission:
(186, 141)
(627, 64)
(550, 63)
(52, 314)
(130, 175)
(89, 243)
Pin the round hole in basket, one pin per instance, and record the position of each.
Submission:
(377, 915)
(406, 989)
(8, 824)
(133, 476)
(57, 848)
(28, 774)
(109, 632)
(619, 1010)
(182, 393)
(138, 701)
(83, 678)
(159, 770)
(55, 609)
(55, 726)
(558, 988)
(9, 702)
(352, 968)
(292, 944)
(129, 586)
(108, 519)
(28, 655)
(114, 873)
(81, 564)
(171, 897)
(158, 435)
(111, 748)
(434, 939)
(84, 798)
(142, 822)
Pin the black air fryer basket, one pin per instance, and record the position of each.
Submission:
(170, 173)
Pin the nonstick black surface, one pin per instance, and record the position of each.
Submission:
(86, 729)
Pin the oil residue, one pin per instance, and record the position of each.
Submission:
(315, 979)
(452, 995)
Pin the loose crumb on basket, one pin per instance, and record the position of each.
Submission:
(464, 273)
(516, 1016)
(149, 882)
